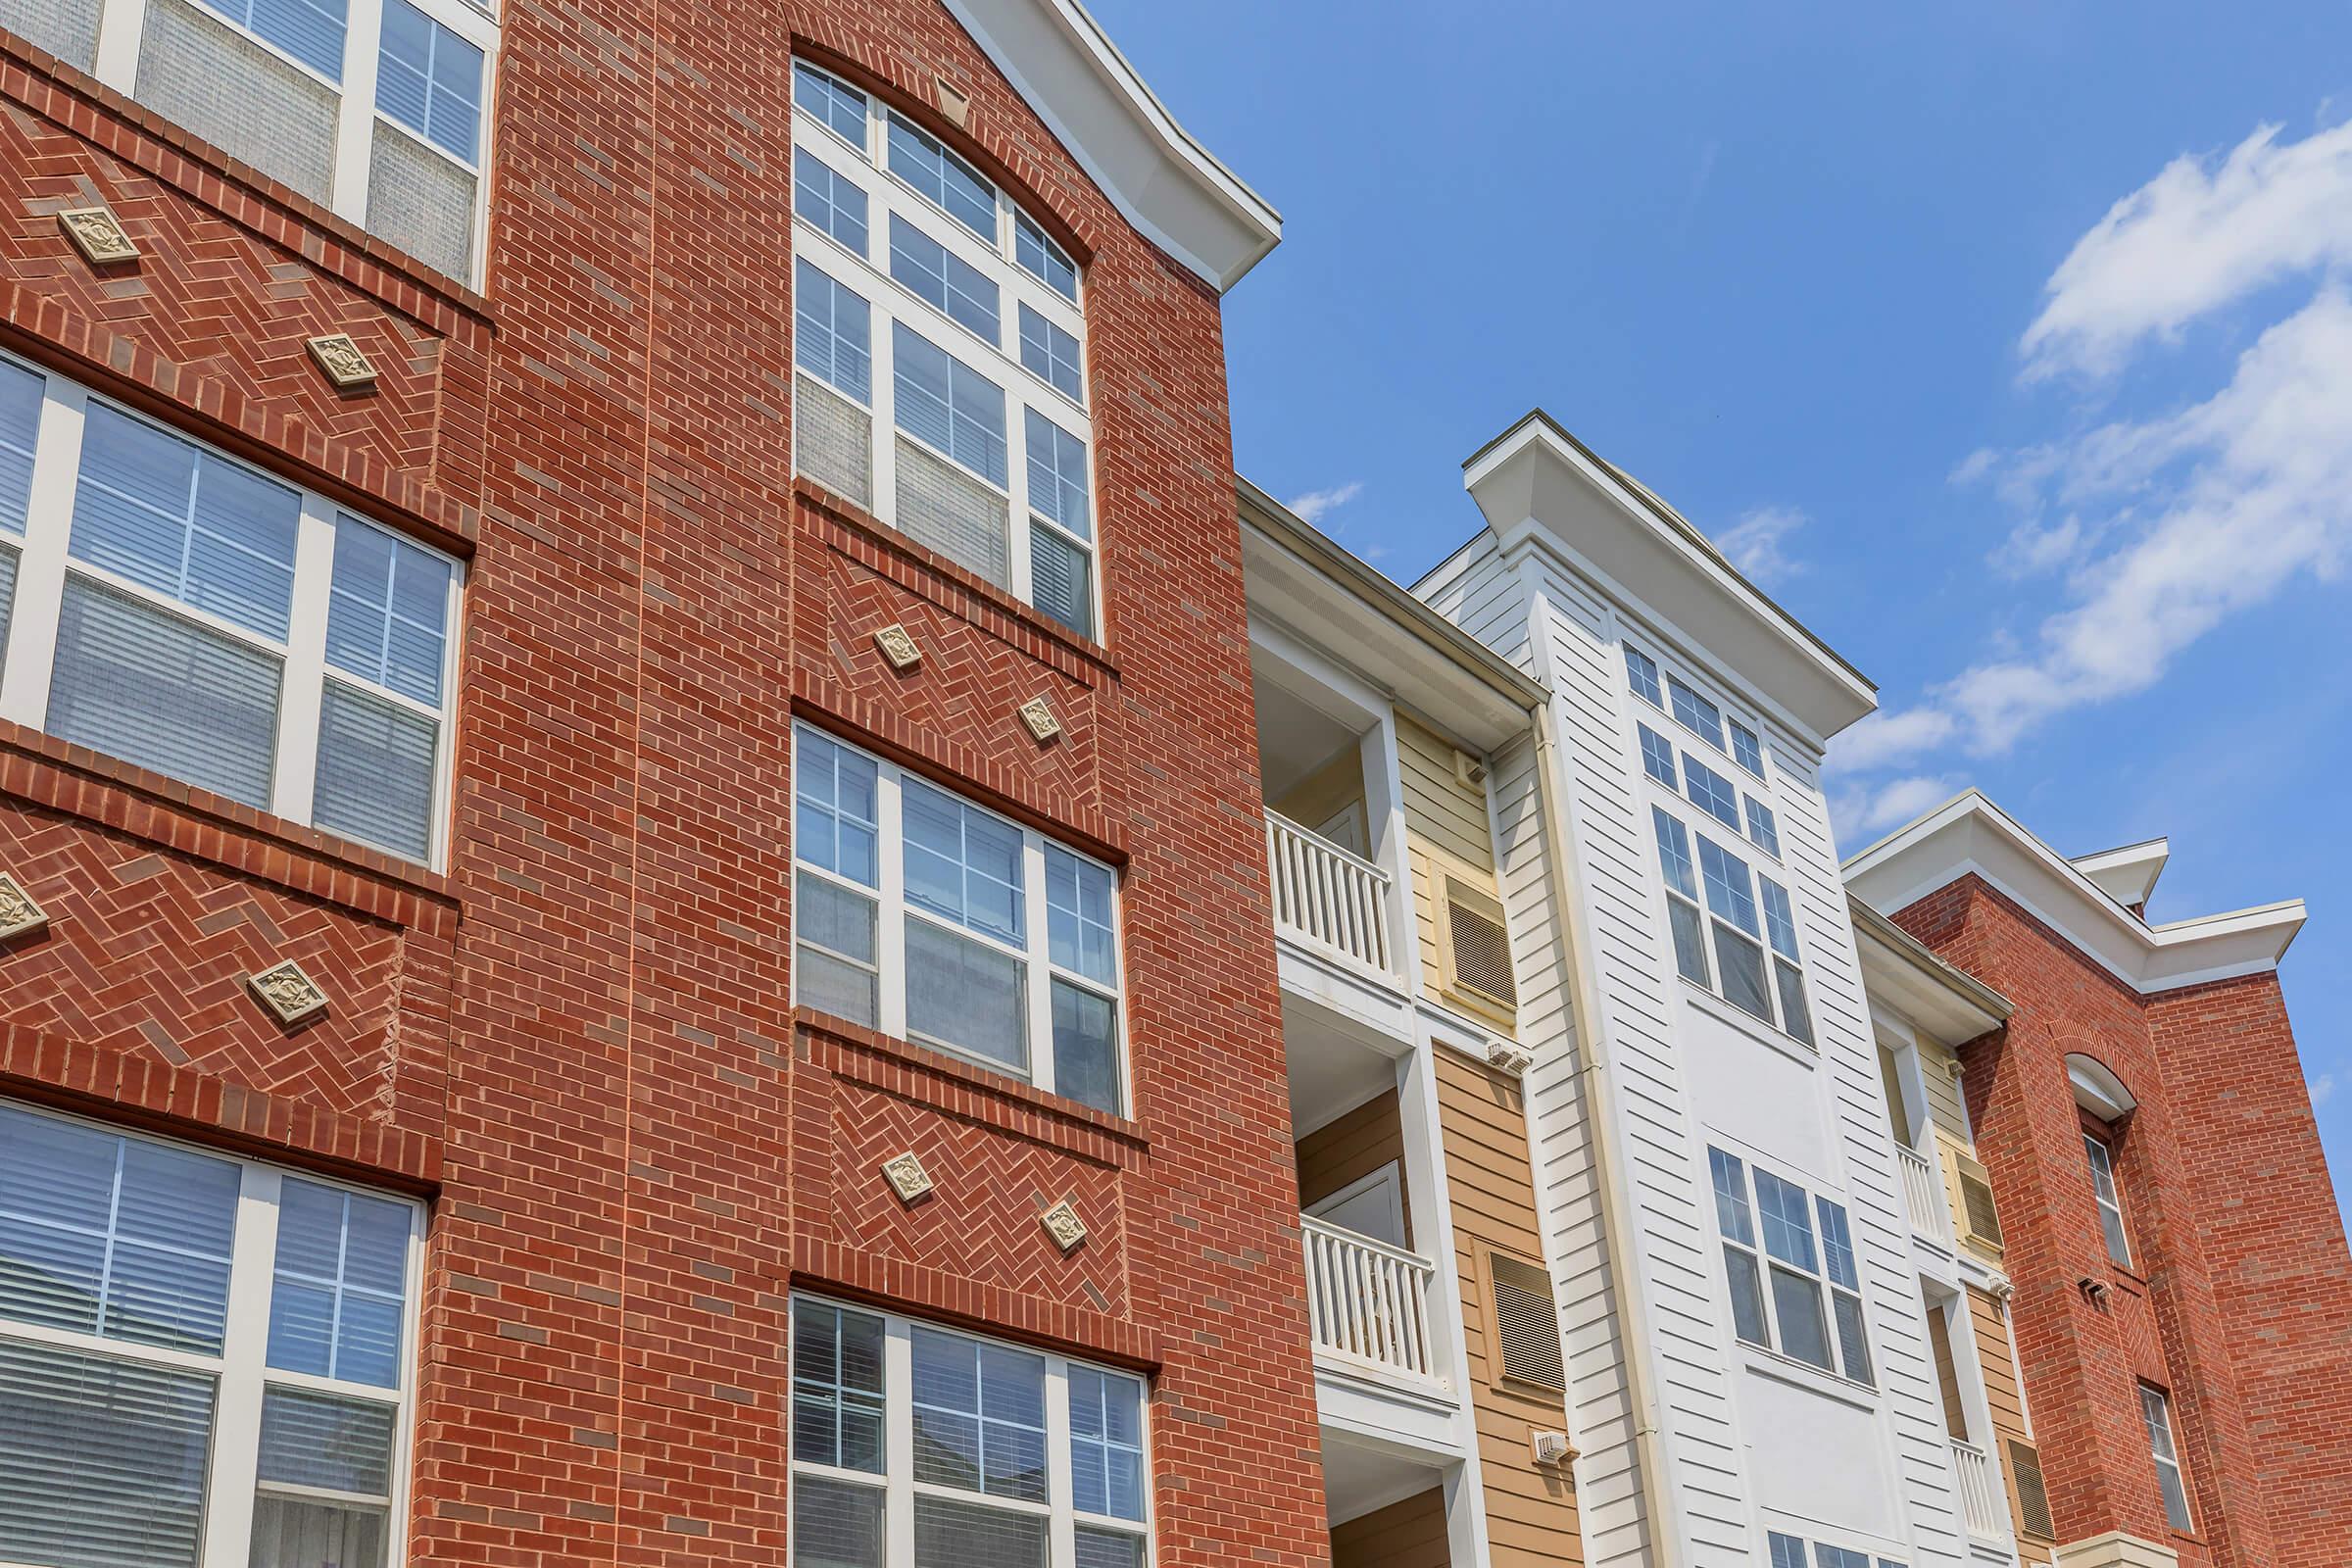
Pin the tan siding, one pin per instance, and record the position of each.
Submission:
(1943, 1093)
(2000, 1368)
(1405, 1535)
(1947, 1372)
(1531, 1509)
(1446, 833)
(1326, 792)
(1350, 1147)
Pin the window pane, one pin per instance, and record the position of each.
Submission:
(1086, 1046)
(833, 102)
(217, 81)
(102, 1464)
(114, 1235)
(7, 599)
(387, 616)
(836, 956)
(835, 1524)
(1657, 757)
(1853, 1343)
(1732, 1216)
(962, 994)
(963, 864)
(1787, 1225)
(1690, 946)
(1794, 1017)
(323, 1440)
(1642, 671)
(1730, 892)
(1051, 355)
(1786, 1551)
(1109, 1549)
(1825, 1556)
(1748, 1296)
(979, 1417)
(1778, 918)
(1042, 258)
(1763, 828)
(1743, 964)
(1747, 750)
(1796, 1304)
(175, 518)
(297, 1533)
(136, 682)
(944, 402)
(1061, 579)
(1711, 792)
(376, 772)
(340, 1282)
(1057, 484)
(2175, 1496)
(944, 178)
(962, 1535)
(834, 811)
(1105, 1443)
(1078, 932)
(1696, 712)
(832, 202)
(832, 332)
(19, 423)
(943, 280)
(1837, 1244)
(1674, 854)
(429, 80)
(837, 1387)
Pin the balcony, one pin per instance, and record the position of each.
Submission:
(1981, 1506)
(1922, 1194)
(1368, 1302)
(1330, 901)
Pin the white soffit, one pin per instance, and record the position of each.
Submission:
(1165, 183)
(1902, 973)
(1969, 833)
(2127, 875)
(1538, 481)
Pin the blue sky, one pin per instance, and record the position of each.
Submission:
(2010, 345)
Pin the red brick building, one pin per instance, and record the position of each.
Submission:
(414, 568)
(2182, 1304)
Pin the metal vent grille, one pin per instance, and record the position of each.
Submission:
(421, 202)
(67, 28)
(1976, 1200)
(2032, 1497)
(1527, 1324)
(238, 96)
(832, 441)
(1482, 945)
(942, 507)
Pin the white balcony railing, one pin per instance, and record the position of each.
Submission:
(1982, 1504)
(1328, 899)
(1367, 1302)
(1923, 1193)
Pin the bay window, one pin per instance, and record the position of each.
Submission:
(1778, 1298)
(171, 606)
(914, 1446)
(918, 913)
(970, 435)
(201, 1359)
(371, 108)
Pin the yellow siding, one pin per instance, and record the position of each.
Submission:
(1445, 834)
(1405, 1535)
(1531, 1509)
(1943, 1093)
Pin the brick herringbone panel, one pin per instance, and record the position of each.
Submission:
(148, 951)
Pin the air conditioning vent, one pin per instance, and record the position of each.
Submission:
(2028, 1496)
(1527, 1323)
(1479, 946)
(1982, 1220)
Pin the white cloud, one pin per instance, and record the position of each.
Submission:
(2201, 233)
(1310, 507)
(2321, 1088)
(1859, 816)
(2032, 549)
(1753, 544)
(1889, 737)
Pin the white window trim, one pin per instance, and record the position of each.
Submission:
(1829, 1289)
(891, 910)
(1682, 811)
(868, 276)
(28, 661)
(897, 1482)
(241, 1371)
(122, 24)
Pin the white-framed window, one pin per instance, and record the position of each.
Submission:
(966, 424)
(1744, 946)
(203, 1359)
(1788, 1552)
(915, 1445)
(169, 605)
(1696, 712)
(924, 916)
(1657, 756)
(1778, 1298)
(1711, 792)
(2157, 1411)
(1763, 828)
(371, 108)
(2110, 1198)
(1746, 749)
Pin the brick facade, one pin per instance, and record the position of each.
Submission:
(2238, 1302)
(579, 1042)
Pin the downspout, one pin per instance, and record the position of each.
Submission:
(1592, 1044)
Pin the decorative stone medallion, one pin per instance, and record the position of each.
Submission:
(19, 916)
(340, 357)
(98, 234)
(1061, 1222)
(906, 1177)
(897, 646)
(288, 992)
(1038, 714)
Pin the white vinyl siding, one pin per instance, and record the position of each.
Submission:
(924, 916)
(913, 1446)
(183, 611)
(203, 1359)
(371, 108)
(986, 457)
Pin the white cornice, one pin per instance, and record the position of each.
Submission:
(1969, 833)
(1165, 182)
